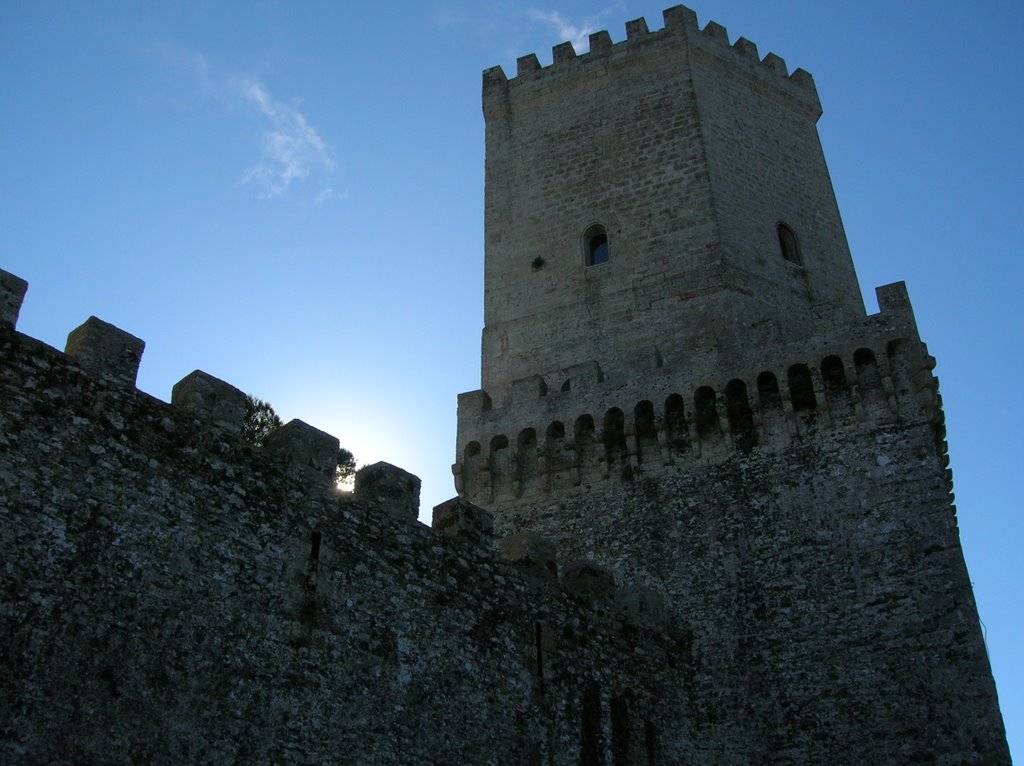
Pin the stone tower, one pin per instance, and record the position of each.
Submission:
(679, 381)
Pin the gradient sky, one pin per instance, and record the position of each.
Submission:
(289, 197)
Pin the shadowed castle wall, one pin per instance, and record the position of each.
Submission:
(171, 594)
(710, 413)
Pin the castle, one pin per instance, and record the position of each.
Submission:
(704, 512)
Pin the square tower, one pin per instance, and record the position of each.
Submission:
(679, 383)
(653, 196)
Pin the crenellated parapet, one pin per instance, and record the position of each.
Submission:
(101, 349)
(681, 30)
(214, 579)
(112, 356)
(12, 293)
(568, 429)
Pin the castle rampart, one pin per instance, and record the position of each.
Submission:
(561, 429)
(686, 157)
(680, 25)
(173, 594)
(680, 384)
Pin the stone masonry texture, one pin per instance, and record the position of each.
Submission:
(710, 415)
(704, 511)
(172, 594)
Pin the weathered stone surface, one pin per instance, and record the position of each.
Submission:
(535, 556)
(589, 582)
(460, 518)
(104, 350)
(389, 489)
(711, 422)
(171, 594)
(679, 383)
(12, 292)
(309, 452)
(641, 605)
(210, 399)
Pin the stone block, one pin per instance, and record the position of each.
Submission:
(893, 298)
(474, 402)
(460, 518)
(210, 398)
(600, 43)
(101, 349)
(307, 451)
(679, 17)
(526, 64)
(12, 293)
(776, 64)
(563, 52)
(533, 554)
(528, 389)
(636, 29)
(589, 582)
(641, 605)
(584, 377)
(389, 488)
(715, 31)
(746, 49)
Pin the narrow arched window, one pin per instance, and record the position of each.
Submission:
(866, 366)
(527, 440)
(646, 430)
(789, 245)
(768, 390)
(675, 422)
(526, 455)
(583, 430)
(833, 374)
(614, 434)
(595, 243)
(801, 389)
(705, 411)
(741, 417)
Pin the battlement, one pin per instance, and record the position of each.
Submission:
(108, 359)
(580, 425)
(178, 582)
(111, 357)
(680, 28)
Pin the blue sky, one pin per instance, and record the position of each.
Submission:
(289, 197)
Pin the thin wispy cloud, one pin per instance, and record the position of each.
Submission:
(292, 148)
(577, 34)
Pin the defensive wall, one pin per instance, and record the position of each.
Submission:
(173, 594)
(572, 427)
(687, 153)
(760, 466)
(680, 383)
(795, 505)
(801, 521)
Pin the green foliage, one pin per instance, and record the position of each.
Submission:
(260, 421)
(346, 466)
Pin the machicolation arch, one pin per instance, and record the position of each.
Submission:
(746, 414)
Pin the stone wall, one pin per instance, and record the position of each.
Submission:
(710, 414)
(689, 152)
(800, 527)
(825, 588)
(172, 594)
(690, 404)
